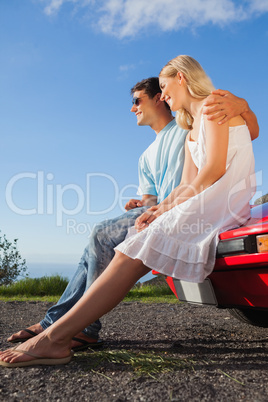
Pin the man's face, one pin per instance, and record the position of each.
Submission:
(145, 109)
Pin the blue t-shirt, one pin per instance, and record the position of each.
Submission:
(161, 164)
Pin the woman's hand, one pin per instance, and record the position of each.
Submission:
(143, 221)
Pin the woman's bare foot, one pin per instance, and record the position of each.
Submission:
(24, 335)
(41, 346)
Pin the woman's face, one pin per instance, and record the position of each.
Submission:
(170, 88)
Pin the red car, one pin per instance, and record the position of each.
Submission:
(239, 280)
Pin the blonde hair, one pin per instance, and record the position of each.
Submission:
(198, 83)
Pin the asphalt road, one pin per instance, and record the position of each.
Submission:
(216, 357)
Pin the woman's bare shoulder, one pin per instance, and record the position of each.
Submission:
(236, 121)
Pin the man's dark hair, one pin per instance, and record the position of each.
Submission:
(150, 86)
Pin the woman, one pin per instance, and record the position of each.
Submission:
(179, 236)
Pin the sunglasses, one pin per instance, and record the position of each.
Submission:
(136, 101)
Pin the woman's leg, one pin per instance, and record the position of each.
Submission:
(104, 294)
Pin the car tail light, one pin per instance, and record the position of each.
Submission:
(262, 243)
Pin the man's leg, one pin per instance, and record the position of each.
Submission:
(95, 259)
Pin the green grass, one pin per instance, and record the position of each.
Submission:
(50, 288)
(146, 364)
(35, 287)
(141, 363)
(151, 294)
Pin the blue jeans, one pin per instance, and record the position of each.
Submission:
(97, 255)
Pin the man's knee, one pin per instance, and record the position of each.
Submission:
(97, 231)
(115, 230)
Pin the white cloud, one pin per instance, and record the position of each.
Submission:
(53, 6)
(124, 18)
(127, 18)
(259, 6)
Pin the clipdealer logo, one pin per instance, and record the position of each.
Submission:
(51, 197)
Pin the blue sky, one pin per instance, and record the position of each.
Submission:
(69, 144)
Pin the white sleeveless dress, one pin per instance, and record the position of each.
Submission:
(182, 242)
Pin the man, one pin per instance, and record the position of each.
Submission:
(160, 169)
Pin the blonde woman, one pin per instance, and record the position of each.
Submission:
(178, 237)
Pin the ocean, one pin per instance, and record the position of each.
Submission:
(36, 270)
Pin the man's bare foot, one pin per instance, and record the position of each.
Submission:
(23, 335)
(76, 345)
(41, 346)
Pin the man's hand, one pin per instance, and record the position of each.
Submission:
(131, 204)
(224, 105)
(147, 200)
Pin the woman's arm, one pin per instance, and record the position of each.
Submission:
(217, 137)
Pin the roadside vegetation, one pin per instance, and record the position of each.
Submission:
(50, 288)
(11, 263)
(44, 288)
(150, 293)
